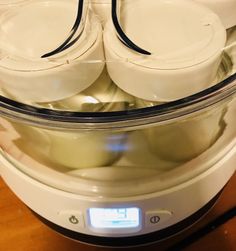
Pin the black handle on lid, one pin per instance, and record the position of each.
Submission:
(122, 36)
(68, 43)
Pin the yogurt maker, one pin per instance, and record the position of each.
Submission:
(117, 122)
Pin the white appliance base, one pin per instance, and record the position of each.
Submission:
(136, 241)
(157, 211)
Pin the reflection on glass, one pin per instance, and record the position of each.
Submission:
(185, 139)
(70, 149)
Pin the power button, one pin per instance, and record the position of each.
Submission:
(72, 219)
(157, 218)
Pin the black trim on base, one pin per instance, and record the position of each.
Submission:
(134, 240)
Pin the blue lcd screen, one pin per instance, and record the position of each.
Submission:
(105, 218)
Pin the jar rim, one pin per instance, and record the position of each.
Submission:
(119, 119)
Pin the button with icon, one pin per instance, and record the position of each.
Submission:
(72, 219)
(154, 219)
(157, 218)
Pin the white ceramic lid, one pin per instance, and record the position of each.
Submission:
(31, 30)
(171, 31)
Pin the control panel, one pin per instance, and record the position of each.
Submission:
(114, 220)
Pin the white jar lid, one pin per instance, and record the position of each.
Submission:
(31, 30)
(185, 39)
(102, 8)
(225, 9)
(10, 1)
(6, 3)
(178, 33)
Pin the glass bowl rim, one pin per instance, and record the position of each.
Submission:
(162, 112)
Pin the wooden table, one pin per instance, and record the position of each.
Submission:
(20, 230)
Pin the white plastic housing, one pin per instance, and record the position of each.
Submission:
(175, 203)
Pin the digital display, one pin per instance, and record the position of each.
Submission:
(115, 218)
